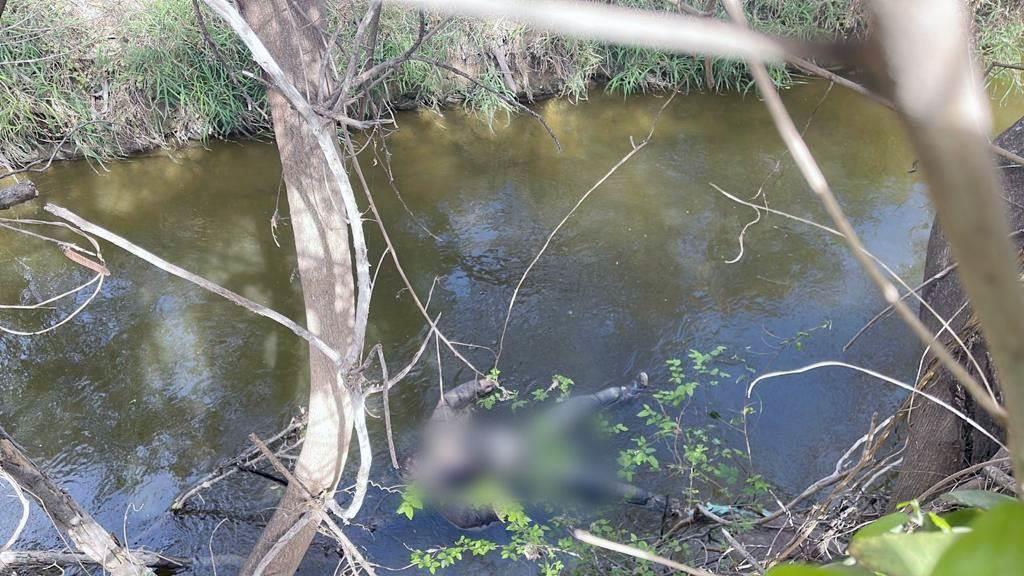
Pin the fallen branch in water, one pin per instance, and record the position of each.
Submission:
(42, 559)
(19, 193)
(243, 462)
(67, 516)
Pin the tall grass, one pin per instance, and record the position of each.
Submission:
(44, 88)
(148, 77)
(190, 89)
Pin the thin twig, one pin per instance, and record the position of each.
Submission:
(884, 378)
(635, 147)
(588, 538)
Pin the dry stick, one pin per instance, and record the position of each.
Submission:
(325, 137)
(588, 538)
(385, 162)
(67, 249)
(832, 478)
(774, 171)
(42, 560)
(938, 276)
(884, 378)
(1003, 65)
(743, 551)
(816, 180)
(358, 415)
(231, 467)
(1004, 480)
(945, 322)
(946, 116)
(515, 293)
(387, 409)
(960, 474)
(511, 101)
(369, 17)
(65, 214)
(408, 367)
(333, 528)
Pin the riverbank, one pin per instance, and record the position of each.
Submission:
(103, 79)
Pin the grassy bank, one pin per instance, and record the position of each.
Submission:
(137, 74)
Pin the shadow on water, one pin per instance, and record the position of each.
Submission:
(156, 381)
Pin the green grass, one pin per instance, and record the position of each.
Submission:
(149, 78)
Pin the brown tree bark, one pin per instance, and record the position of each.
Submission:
(68, 516)
(17, 194)
(291, 32)
(938, 443)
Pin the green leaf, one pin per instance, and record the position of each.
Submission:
(977, 498)
(992, 548)
(902, 554)
(939, 522)
(883, 525)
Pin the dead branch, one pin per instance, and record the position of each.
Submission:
(41, 559)
(624, 26)
(212, 45)
(85, 225)
(813, 69)
(743, 551)
(394, 257)
(70, 518)
(241, 462)
(25, 511)
(18, 194)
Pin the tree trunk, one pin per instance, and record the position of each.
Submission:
(939, 444)
(291, 32)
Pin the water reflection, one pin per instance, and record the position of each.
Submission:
(157, 380)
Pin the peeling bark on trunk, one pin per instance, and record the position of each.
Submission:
(939, 444)
(291, 33)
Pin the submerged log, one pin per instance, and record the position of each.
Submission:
(70, 518)
(938, 443)
(18, 194)
(25, 559)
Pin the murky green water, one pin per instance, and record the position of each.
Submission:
(157, 380)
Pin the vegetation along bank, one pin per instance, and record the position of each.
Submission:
(101, 81)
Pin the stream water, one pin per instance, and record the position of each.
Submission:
(156, 380)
